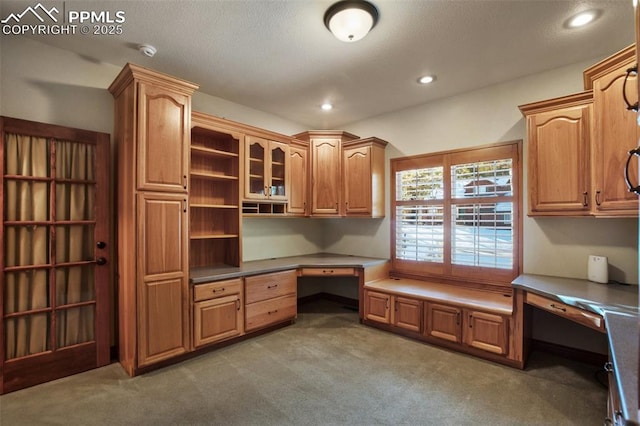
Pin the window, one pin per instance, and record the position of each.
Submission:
(456, 214)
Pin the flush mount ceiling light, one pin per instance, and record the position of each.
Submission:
(326, 106)
(351, 20)
(583, 18)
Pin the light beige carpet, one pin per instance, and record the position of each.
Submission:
(327, 369)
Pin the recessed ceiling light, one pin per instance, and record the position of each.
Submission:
(426, 79)
(326, 106)
(582, 19)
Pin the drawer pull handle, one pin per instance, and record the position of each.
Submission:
(215, 290)
(272, 286)
(330, 271)
(560, 308)
(272, 312)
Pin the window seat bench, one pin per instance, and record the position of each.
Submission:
(483, 323)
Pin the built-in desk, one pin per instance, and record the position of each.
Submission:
(585, 302)
(319, 264)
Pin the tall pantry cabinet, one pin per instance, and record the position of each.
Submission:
(152, 133)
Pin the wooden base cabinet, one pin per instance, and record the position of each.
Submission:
(218, 311)
(270, 299)
(401, 312)
(485, 331)
(444, 322)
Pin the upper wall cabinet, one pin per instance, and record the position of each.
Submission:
(578, 146)
(266, 165)
(615, 132)
(363, 177)
(558, 150)
(298, 179)
(326, 170)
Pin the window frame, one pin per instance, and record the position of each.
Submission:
(447, 270)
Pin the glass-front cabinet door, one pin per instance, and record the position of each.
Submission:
(277, 188)
(266, 169)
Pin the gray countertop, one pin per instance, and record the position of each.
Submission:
(623, 332)
(618, 304)
(215, 273)
(583, 294)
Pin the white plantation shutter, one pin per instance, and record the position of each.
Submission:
(456, 214)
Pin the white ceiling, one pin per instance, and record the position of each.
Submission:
(278, 57)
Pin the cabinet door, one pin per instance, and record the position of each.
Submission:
(559, 161)
(376, 306)
(486, 331)
(278, 166)
(325, 177)
(217, 319)
(298, 169)
(615, 133)
(357, 180)
(407, 313)
(163, 328)
(256, 158)
(164, 130)
(444, 322)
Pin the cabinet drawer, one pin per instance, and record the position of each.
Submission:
(268, 286)
(272, 311)
(580, 316)
(323, 272)
(216, 289)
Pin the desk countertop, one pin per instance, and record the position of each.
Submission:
(206, 274)
(583, 294)
(618, 304)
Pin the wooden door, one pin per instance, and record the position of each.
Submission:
(163, 139)
(486, 331)
(55, 266)
(559, 172)
(163, 290)
(407, 313)
(298, 170)
(357, 180)
(376, 307)
(326, 173)
(444, 322)
(615, 133)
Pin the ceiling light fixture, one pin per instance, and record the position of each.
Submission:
(326, 106)
(351, 20)
(582, 19)
(426, 79)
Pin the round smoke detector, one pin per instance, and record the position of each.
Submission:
(147, 50)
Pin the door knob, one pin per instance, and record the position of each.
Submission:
(101, 261)
(101, 244)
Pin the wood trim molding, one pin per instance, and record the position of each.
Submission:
(338, 134)
(575, 99)
(604, 66)
(132, 72)
(202, 119)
